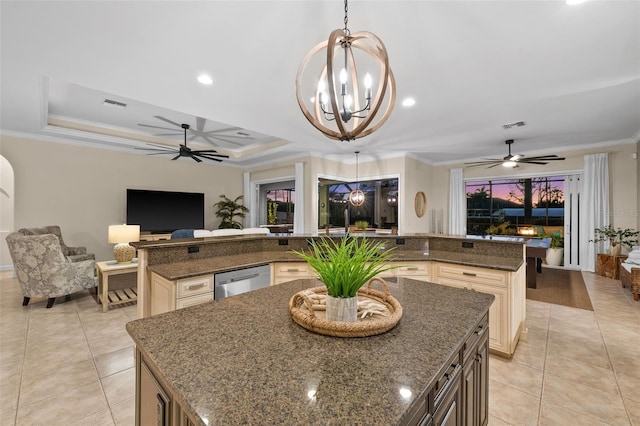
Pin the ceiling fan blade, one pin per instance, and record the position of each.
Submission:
(159, 146)
(532, 162)
(176, 157)
(545, 158)
(227, 129)
(213, 156)
(480, 163)
(155, 127)
(494, 165)
(166, 120)
(196, 159)
(205, 151)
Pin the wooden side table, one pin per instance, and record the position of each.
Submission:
(117, 297)
(608, 265)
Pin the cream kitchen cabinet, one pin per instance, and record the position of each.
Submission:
(283, 272)
(420, 270)
(508, 311)
(169, 295)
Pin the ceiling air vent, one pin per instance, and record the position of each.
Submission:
(112, 103)
(514, 124)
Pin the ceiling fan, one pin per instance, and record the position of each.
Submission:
(207, 135)
(513, 160)
(185, 151)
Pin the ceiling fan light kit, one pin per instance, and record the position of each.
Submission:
(341, 110)
(514, 160)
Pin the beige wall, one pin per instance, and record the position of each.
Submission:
(623, 172)
(84, 189)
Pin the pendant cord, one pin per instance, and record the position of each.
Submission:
(346, 18)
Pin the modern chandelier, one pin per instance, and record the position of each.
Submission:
(356, 196)
(341, 109)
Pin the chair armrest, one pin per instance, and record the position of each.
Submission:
(68, 277)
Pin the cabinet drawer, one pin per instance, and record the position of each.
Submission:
(196, 285)
(293, 270)
(471, 274)
(193, 300)
(413, 269)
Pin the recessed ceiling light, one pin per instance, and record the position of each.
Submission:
(205, 79)
(408, 102)
(574, 2)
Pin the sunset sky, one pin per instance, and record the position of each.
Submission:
(502, 187)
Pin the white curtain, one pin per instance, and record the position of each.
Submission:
(594, 205)
(298, 213)
(457, 204)
(251, 219)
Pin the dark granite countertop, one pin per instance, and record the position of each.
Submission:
(243, 360)
(190, 268)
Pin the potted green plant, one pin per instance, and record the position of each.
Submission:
(344, 266)
(555, 251)
(617, 237)
(272, 212)
(228, 209)
(361, 225)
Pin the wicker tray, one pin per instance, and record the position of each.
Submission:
(311, 316)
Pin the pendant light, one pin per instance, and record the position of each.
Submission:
(341, 110)
(356, 196)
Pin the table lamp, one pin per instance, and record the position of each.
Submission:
(121, 236)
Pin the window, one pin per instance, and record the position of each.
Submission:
(380, 209)
(512, 206)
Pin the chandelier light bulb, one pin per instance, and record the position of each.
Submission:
(348, 102)
(343, 76)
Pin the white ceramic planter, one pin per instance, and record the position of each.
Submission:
(342, 309)
(555, 256)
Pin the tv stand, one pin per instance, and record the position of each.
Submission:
(155, 237)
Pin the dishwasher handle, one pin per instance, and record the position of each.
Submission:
(236, 279)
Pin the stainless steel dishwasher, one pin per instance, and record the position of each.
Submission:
(240, 281)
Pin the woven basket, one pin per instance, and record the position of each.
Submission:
(308, 315)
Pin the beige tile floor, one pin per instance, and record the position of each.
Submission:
(73, 364)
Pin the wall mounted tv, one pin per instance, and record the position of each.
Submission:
(164, 211)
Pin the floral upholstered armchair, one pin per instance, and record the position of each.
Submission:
(44, 271)
(74, 254)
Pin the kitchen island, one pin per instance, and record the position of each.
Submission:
(243, 360)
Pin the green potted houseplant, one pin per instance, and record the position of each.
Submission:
(617, 237)
(555, 251)
(227, 209)
(344, 266)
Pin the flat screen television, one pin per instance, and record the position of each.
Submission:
(165, 211)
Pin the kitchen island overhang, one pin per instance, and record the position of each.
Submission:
(244, 361)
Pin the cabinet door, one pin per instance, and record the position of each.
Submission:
(449, 412)
(469, 395)
(154, 401)
(498, 316)
(482, 379)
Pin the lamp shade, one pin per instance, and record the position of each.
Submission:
(123, 233)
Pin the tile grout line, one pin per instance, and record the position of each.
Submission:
(24, 357)
(95, 367)
(606, 348)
